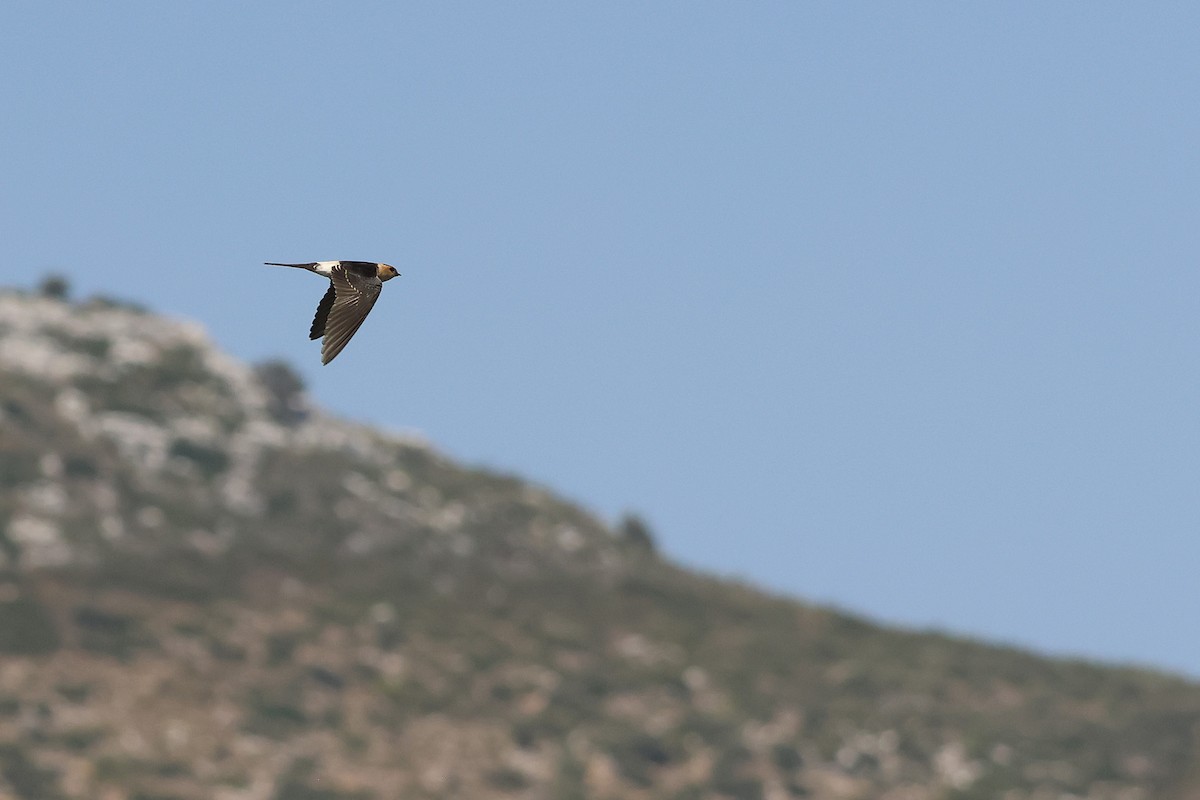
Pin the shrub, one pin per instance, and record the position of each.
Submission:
(114, 634)
(507, 779)
(786, 757)
(285, 391)
(634, 532)
(54, 286)
(26, 628)
(276, 719)
(209, 460)
(637, 754)
(26, 778)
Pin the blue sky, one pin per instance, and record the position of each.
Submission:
(889, 306)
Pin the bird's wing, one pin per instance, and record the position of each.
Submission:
(367, 269)
(354, 296)
(318, 327)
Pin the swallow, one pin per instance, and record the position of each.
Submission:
(354, 287)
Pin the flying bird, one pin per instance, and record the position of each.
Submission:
(354, 287)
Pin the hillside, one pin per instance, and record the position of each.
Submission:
(210, 588)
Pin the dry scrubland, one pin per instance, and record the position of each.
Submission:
(210, 589)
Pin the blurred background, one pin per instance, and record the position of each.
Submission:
(890, 308)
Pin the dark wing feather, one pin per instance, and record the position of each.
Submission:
(318, 326)
(365, 269)
(354, 296)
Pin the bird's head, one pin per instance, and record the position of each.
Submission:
(385, 272)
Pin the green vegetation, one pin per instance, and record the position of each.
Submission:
(113, 634)
(274, 713)
(26, 628)
(27, 779)
(211, 461)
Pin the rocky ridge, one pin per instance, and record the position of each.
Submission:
(209, 588)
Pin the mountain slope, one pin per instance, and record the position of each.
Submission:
(211, 589)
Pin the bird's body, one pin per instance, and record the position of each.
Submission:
(354, 287)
